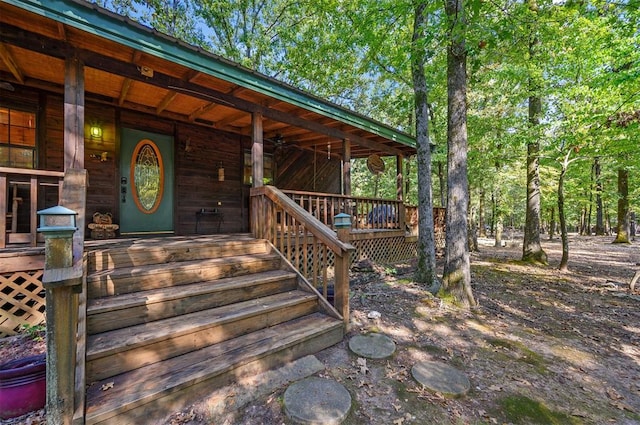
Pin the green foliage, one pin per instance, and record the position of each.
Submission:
(35, 332)
(520, 409)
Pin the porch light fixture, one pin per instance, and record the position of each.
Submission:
(342, 221)
(95, 131)
(220, 172)
(58, 224)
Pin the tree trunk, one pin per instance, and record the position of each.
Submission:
(481, 219)
(600, 230)
(583, 222)
(472, 231)
(426, 270)
(441, 183)
(531, 249)
(552, 222)
(457, 273)
(622, 235)
(564, 262)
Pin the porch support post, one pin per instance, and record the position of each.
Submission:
(400, 190)
(341, 267)
(257, 149)
(400, 177)
(346, 168)
(74, 114)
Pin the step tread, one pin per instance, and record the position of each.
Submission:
(154, 381)
(152, 269)
(115, 341)
(124, 301)
(135, 252)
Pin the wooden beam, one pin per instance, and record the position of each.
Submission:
(74, 114)
(126, 85)
(202, 110)
(10, 62)
(257, 149)
(231, 118)
(62, 32)
(192, 74)
(168, 98)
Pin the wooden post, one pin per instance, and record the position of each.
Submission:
(61, 282)
(400, 191)
(74, 114)
(74, 197)
(3, 208)
(341, 285)
(257, 149)
(346, 168)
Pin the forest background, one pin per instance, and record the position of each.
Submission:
(579, 58)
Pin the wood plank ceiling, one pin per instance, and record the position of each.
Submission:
(33, 49)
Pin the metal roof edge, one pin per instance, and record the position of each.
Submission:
(101, 22)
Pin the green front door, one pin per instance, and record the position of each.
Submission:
(146, 182)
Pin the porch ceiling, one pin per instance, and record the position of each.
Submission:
(34, 45)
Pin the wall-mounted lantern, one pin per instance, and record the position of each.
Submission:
(95, 131)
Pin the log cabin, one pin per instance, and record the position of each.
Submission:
(206, 195)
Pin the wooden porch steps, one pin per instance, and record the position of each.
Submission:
(173, 323)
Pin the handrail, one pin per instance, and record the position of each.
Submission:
(366, 212)
(31, 172)
(292, 229)
(14, 177)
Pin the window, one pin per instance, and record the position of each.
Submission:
(17, 138)
(268, 177)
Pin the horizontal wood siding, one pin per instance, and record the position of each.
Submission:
(200, 152)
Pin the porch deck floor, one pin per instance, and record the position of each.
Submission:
(139, 242)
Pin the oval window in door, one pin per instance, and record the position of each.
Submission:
(147, 176)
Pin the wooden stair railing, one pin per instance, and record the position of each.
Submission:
(307, 243)
(366, 213)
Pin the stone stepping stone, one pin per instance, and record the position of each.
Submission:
(317, 401)
(441, 378)
(372, 346)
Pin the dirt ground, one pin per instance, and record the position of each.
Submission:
(543, 347)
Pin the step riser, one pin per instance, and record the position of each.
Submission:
(108, 285)
(103, 322)
(176, 399)
(108, 259)
(111, 365)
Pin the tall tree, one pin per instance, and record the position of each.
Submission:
(531, 249)
(426, 271)
(457, 274)
(622, 233)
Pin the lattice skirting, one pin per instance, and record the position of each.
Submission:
(381, 250)
(21, 301)
(385, 250)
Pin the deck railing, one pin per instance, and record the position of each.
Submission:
(19, 189)
(306, 242)
(366, 213)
